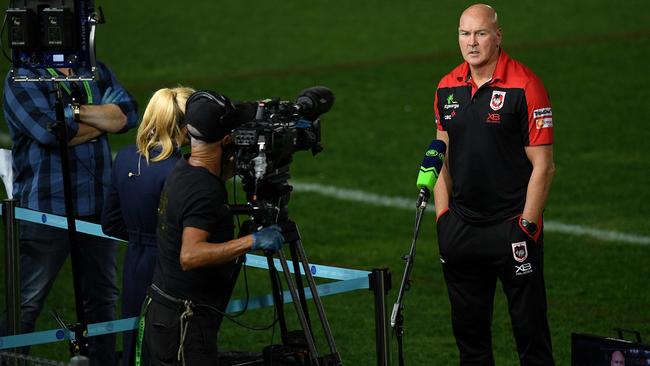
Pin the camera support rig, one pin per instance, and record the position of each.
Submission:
(260, 211)
(43, 35)
(264, 153)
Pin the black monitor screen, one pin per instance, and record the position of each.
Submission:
(590, 350)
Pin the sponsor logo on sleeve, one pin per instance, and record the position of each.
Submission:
(451, 102)
(498, 97)
(543, 112)
(519, 251)
(450, 116)
(544, 123)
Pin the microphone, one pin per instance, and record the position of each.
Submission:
(430, 169)
(132, 174)
(315, 101)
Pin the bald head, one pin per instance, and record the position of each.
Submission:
(479, 37)
(617, 359)
(483, 12)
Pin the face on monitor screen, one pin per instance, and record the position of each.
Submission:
(589, 350)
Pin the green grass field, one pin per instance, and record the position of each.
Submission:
(383, 60)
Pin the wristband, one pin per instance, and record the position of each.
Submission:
(76, 111)
(530, 227)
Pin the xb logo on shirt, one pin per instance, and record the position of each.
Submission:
(523, 269)
(493, 118)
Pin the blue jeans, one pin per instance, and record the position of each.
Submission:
(43, 250)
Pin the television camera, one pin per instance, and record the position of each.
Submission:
(44, 33)
(264, 147)
(263, 151)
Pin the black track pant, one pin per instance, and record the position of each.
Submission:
(473, 258)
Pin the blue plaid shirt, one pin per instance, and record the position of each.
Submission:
(29, 112)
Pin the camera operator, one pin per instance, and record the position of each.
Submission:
(197, 260)
(92, 111)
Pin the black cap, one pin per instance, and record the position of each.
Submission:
(208, 115)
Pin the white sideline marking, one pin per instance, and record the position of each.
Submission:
(409, 204)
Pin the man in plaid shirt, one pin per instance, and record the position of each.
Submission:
(104, 107)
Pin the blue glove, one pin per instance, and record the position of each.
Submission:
(269, 239)
(304, 123)
(112, 96)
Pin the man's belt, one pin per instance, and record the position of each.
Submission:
(166, 299)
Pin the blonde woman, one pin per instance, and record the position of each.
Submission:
(131, 204)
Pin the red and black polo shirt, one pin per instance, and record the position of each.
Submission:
(488, 128)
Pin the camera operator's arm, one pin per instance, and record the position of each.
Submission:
(105, 117)
(197, 252)
(84, 133)
(117, 111)
(27, 109)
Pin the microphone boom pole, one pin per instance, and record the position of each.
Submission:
(429, 171)
(397, 318)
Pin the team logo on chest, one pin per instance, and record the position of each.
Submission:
(498, 97)
(519, 251)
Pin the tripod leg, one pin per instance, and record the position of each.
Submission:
(317, 301)
(309, 337)
(290, 232)
(298, 278)
(278, 300)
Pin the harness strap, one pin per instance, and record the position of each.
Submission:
(141, 324)
(89, 92)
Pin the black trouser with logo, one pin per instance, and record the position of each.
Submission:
(473, 257)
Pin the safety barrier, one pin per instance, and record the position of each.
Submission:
(346, 280)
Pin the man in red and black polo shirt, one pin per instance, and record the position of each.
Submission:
(496, 118)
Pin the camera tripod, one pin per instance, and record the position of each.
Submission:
(264, 214)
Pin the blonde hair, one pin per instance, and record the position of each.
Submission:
(161, 123)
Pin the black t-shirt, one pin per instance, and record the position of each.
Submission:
(193, 197)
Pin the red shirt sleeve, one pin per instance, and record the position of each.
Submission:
(540, 114)
(436, 116)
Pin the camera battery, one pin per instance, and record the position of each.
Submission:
(58, 27)
(23, 28)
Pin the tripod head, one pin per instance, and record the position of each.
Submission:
(267, 199)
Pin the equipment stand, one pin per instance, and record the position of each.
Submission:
(380, 282)
(397, 318)
(12, 270)
(292, 237)
(80, 343)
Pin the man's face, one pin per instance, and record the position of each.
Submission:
(617, 359)
(479, 38)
